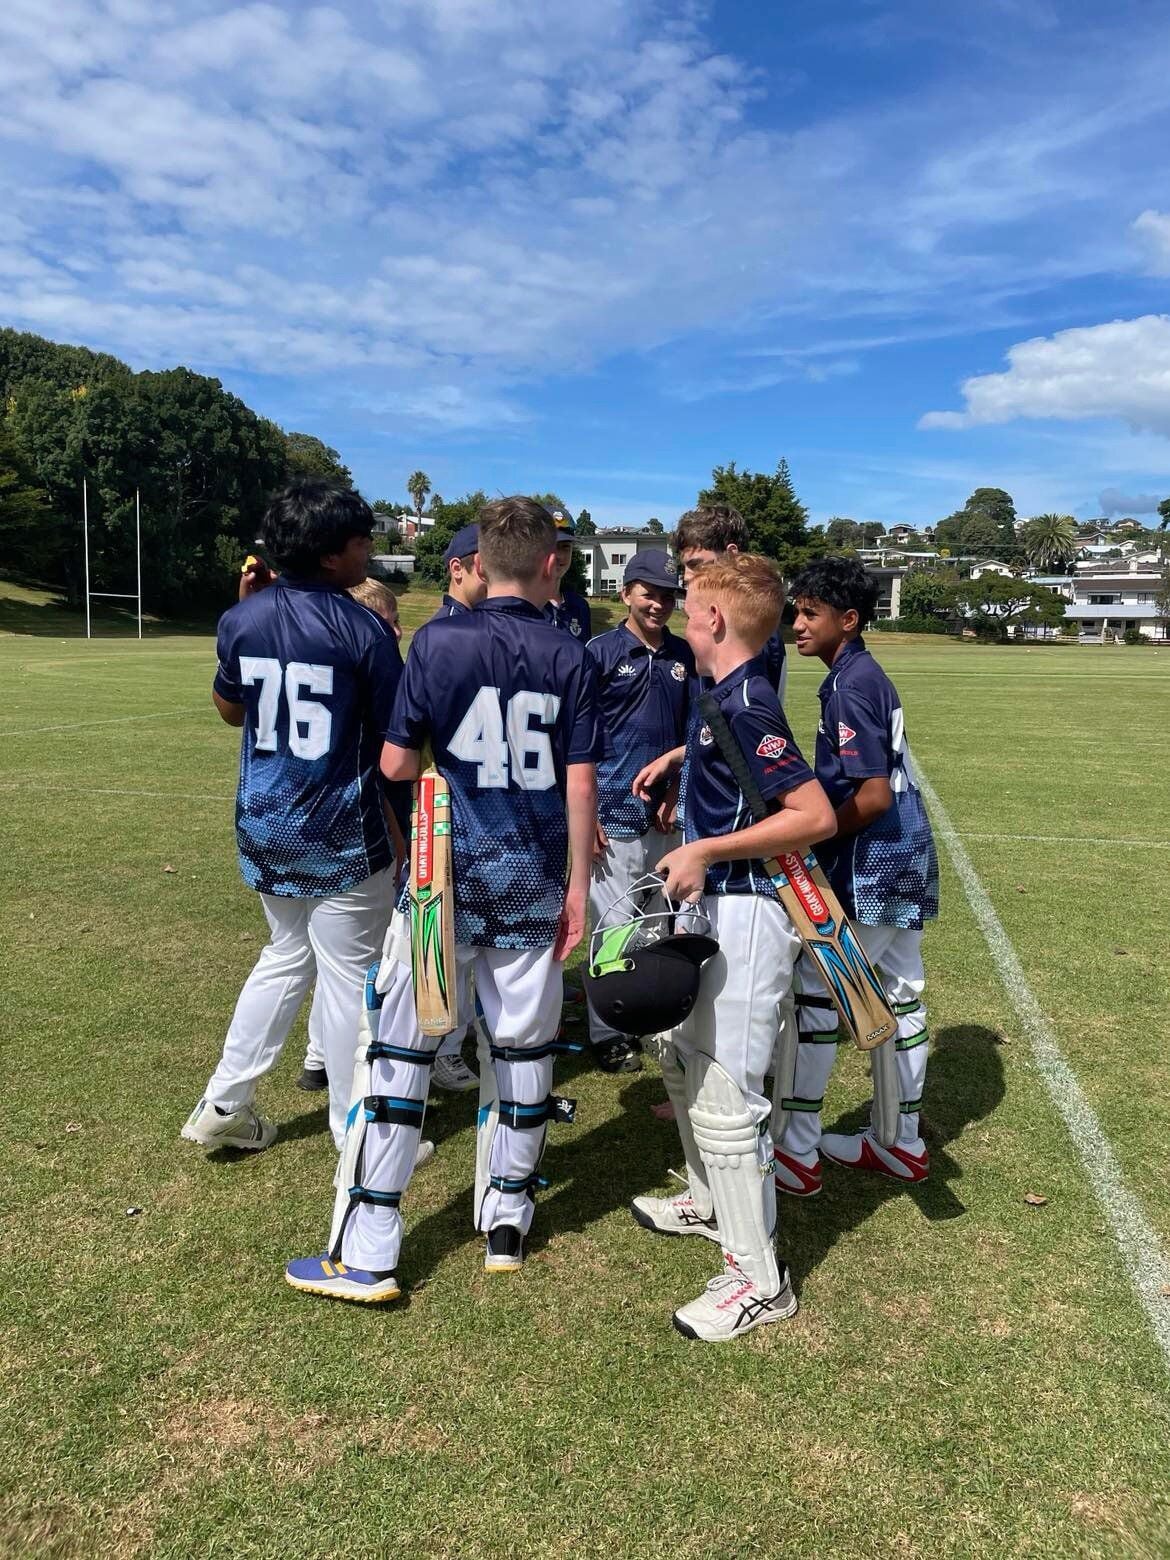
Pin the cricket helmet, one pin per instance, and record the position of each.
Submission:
(645, 959)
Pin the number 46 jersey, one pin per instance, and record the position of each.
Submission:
(508, 701)
(316, 673)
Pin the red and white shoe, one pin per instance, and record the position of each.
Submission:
(794, 1176)
(862, 1151)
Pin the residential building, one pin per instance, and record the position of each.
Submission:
(383, 565)
(990, 566)
(605, 555)
(1115, 597)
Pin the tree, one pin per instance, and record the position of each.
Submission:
(1163, 525)
(928, 593)
(995, 602)
(1162, 598)
(585, 526)
(311, 457)
(418, 485)
(27, 529)
(1049, 541)
(985, 524)
(870, 531)
(776, 519)
(432, 543)
(840, 532)
(653, 525)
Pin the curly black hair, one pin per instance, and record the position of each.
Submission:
(309, 519)
(840, 583)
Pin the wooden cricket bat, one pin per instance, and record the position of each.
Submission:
(432, 905)
(816, 913)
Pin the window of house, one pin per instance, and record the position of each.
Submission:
(619, 558)
(1104, 601)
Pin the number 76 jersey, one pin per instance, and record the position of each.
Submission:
(507, 701)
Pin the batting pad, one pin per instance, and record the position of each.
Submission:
(675, 1080)
(738, 1160)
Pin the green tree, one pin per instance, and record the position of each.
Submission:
(1162, 598)
(28, 535)
(995, 602)
(776, 519)
(840, 532)
(311, 457)
(585, 525)
(653, 525)
(1049, 541)
(418, 485)
(431, 544)
(985, 524)
(928, 592)
(1163, 525)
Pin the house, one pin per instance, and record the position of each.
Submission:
(383, 565)
(606, 554)
(990, 566)
(1117, 596)
(385, 524)
(411, 526)
(1128, 527)
(899, 535)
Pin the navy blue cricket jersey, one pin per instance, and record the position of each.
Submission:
(715, 804)
(507, 701)
(773, 658)
(448, 607)
(316, 673)
(643, 699)
(888, 874)
(572, 614)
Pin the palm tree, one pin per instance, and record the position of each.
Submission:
(1049, 540)
(418, 485)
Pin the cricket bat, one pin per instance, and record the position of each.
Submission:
(432, 905)
(816, 912)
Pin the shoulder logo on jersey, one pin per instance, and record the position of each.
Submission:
(679, 672)
(705, 737)
(575, 627)
(771, 746)
(626, 670)
(845, 733)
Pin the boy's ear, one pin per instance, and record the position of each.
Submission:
(850, 620)
(479, 570)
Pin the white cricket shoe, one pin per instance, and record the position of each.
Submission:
(673, 1216)
(731, 1305)
(212, 1127)
(424, 1151)
(452, 1072)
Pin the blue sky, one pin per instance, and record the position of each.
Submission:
(598, 248)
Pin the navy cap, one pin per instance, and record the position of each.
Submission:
(465, 540)
(654, 567)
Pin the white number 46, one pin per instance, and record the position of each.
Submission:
(493, 741)
(310, 725)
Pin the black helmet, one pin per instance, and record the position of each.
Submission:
(645, 959)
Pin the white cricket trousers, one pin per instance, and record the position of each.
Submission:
(624, 862)
(332, 941)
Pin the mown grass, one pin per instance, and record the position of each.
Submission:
(967, 1375)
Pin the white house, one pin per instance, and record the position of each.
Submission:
(990, 566)
(605, 556)
(1116, 597)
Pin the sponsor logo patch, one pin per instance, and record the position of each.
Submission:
(679, 672)
(845, 733)
(626, 670)
(771, 746)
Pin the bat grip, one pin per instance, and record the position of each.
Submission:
(734, 755)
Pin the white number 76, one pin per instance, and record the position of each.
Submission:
(314, 717)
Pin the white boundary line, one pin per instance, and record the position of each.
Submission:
(112, 720)
(1060, 839)
(1138, 1243)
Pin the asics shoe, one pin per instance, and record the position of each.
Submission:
(673, 1216)
(731, 1305)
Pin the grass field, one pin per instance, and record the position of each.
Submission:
(968, 1374)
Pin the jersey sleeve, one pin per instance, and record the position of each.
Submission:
(410, 719)
(766, 741)
(862, 736)
(383, 668)
(586, 742)
(227, 674)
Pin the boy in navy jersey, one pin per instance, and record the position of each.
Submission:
(644, 679)
(714, 1063)
(465, 587)
(310, 676)
(882, 863)
(567, 609)
(508, 704)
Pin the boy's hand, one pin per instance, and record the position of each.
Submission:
(600, 843)
(254, 576)
(665, 818)
(571, 927)
(685, 871)
(651, 776)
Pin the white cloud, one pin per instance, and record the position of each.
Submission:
(1153, 232)
(1121, 370)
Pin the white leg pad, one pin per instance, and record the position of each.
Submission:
(738, 1160)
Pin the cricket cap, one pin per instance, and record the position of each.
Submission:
(465, 541)
(654, 567)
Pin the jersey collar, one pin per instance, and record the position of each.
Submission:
(515, 605)
(849, 652)
(741, 674)
(294, 582)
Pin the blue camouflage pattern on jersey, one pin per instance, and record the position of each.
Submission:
(509, 841)
(308, 827)
(643, 700)
(887, 875)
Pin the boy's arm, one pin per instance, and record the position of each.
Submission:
(581, 807)
(872, 798)
(805, 817)
(658, 770)
(234, 714)
(400, 763)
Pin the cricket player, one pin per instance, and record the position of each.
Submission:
(309, 676)
(465, 587)
(882, 864)
(645, 675)
(508, 704)
(715, 1061)
(567, 609)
